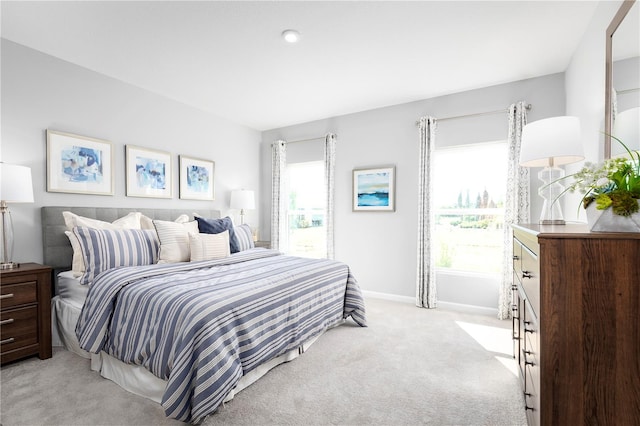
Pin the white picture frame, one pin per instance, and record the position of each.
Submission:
(79, 164)
(197, 178)
(374, 189)
(148, 172)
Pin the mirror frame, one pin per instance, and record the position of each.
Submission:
(608, 94)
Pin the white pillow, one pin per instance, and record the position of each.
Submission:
(209, 246)
(71, 220)
(147, 223)
(77, 263)
(130, 221)
(174, 240)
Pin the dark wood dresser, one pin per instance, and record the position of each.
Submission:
(576, 324)
(25, 312)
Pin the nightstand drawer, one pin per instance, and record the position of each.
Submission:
(25, 317)
(18, 328)
(18, 294)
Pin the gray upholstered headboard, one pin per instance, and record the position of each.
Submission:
(56, 246)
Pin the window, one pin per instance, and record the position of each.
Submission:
(306, 209)
(469, 193)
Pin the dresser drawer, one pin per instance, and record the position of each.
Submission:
(18, 328)
(21, 293)
(532, 397)
(530, 279)
(517, 257)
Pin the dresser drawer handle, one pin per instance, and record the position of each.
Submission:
(7, 321)
(528, 330)
(9, 340)
(6, 296)
(526, 406)
(527, 274)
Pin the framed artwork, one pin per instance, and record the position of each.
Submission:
(78, 164)
(374, 190)
(148, 172)
(196, 179)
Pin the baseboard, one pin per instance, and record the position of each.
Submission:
(450, 306)
(387, 296)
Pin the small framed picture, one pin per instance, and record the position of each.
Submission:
(148, 172)
(79, 164)
(374, 190)
(196, 179)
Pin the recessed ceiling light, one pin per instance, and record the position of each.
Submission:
(291, 36)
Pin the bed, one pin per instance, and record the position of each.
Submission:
(189, 335)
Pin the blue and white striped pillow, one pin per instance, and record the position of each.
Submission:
(104, 249)
(244, 236)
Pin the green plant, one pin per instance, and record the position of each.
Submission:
(613, 183)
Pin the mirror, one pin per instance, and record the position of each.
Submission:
(622, 74)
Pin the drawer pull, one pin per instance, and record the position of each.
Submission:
(7, 321)
(9, 340)
(528, 330)
(526, 406)
(524, 355)
(6, 296)
(527, 274)
(516, 257)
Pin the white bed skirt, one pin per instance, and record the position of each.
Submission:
(134, 378)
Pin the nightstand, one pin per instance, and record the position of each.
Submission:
(25, 312)
(264, 244)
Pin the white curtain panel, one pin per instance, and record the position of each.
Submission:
(278, 196)
(426, 282)
(329, 176)
(517, 209)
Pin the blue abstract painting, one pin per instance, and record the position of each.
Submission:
(150, 173)
(198, 179)
(81, 164)
(373, 189)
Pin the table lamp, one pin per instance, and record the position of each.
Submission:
(550, 143)
(15, 187)
(242, 199)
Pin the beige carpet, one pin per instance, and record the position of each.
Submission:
(410, 366)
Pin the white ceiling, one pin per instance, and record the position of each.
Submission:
(227, 58)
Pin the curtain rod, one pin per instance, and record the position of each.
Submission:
(308, 140)
(475, 114)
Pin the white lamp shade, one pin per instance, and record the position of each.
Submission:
(627, 129)
(16, 185)
(552, 141)
(243, 199)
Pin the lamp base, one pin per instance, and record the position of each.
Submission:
(9, 265)
(551, 191)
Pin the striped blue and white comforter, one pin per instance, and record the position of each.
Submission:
(202, 325)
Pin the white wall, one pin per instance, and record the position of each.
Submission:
(381, 247)
(41, 92)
